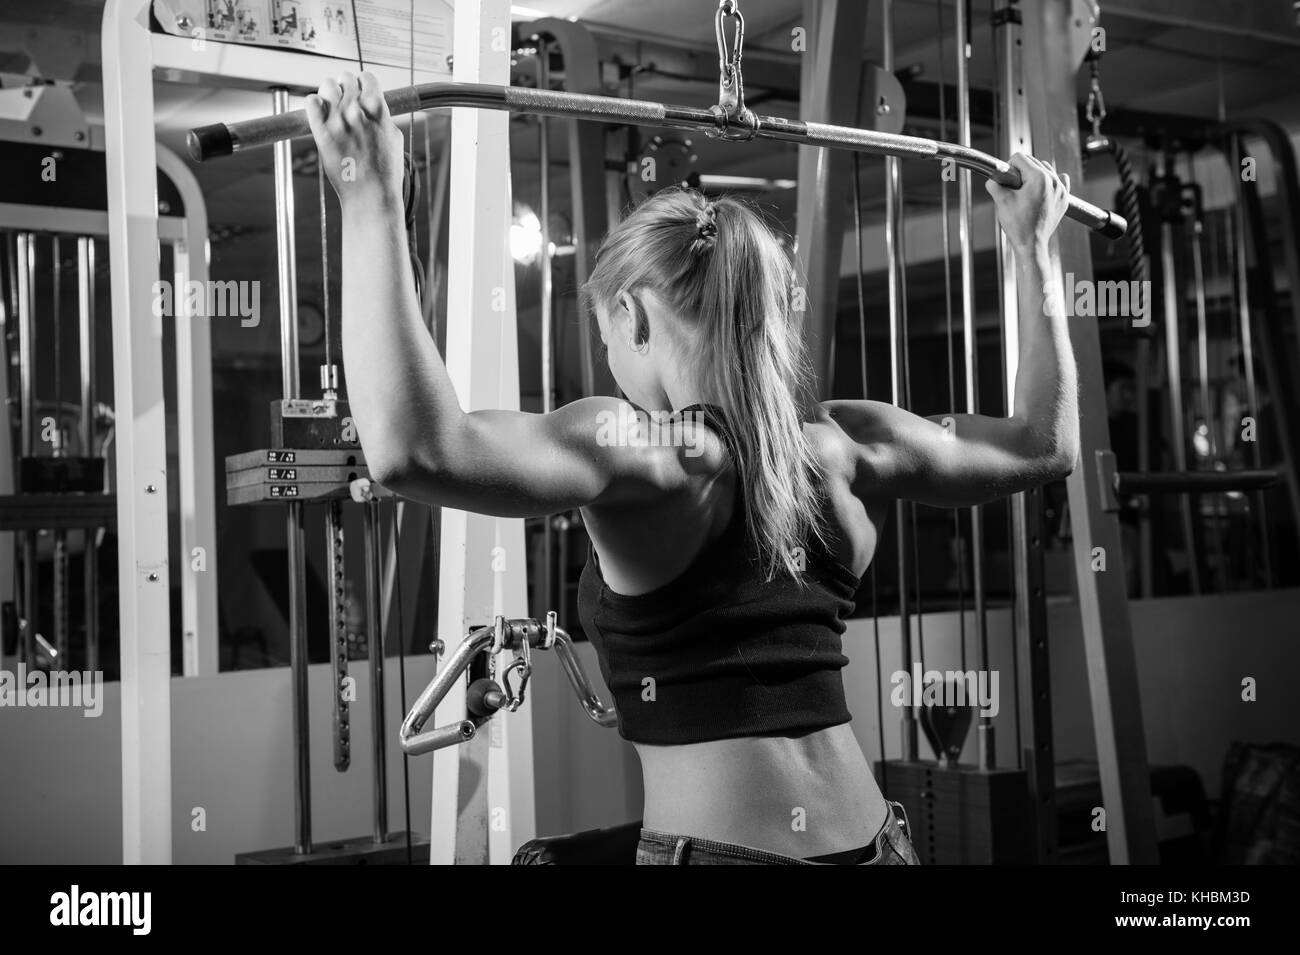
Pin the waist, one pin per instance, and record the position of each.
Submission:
(796, 795)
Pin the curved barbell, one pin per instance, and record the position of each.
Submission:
(223, 139)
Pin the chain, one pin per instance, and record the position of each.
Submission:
(338, 636)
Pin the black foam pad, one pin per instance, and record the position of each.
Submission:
(613, 846)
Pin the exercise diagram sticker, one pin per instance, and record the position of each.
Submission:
(320, 26)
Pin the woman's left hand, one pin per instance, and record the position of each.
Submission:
(358, 142)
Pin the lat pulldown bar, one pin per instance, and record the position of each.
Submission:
(1115, 484)
(1129, 483)
(223, 139)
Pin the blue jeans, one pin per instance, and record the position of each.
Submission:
(660, 848)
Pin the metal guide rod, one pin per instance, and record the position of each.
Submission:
(1033, 677)
(60, 561)
(1202, 335)
(546, 264)
(1242, 315)
(375, 645)
(1203, 380)
(544, 214)
(222, 139)
(56, 332)
(1146, 545)
(60, 612)
(1174, 371)
(285, 248)
(288, 295)
(897, 370)
(86, 326)
(27, 338)
(30, 582)
(986, 753)
(27, 388)
(563, 525)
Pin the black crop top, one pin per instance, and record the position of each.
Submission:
(718, 652)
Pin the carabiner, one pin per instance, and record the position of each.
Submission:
(731, 96)
(515, 700)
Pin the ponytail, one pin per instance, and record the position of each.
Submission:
(721, 267)
(755, 375)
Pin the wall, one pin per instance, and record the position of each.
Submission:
(232, 755)
(1191, 652)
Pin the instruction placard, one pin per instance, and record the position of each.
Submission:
(389, 36)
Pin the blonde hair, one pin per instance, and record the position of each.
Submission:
(722, 269)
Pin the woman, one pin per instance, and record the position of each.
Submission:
(725, 558)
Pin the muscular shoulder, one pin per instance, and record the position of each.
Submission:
(857, 438)
(860, 422)
(643, 452)
(832, 440)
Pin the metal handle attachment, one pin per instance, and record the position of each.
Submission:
(521, 636)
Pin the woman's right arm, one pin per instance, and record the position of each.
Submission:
(957, 460)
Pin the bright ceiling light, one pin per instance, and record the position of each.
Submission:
(525, 237)
(713, 181)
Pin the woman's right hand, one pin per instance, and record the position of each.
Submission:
(1029, 215)
(359, 144)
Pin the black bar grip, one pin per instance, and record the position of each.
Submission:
(1116, 226)
(222, 139)
(1129, 483)
(210, 142)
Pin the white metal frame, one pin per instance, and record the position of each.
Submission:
(483, 804)
(481, 354)
(198, 513)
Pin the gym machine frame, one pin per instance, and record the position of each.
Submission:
(132, 55)
(728, 120)
(181, 234)
(1039, 52)
(1270, 329)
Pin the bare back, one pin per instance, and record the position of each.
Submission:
(745, 790)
